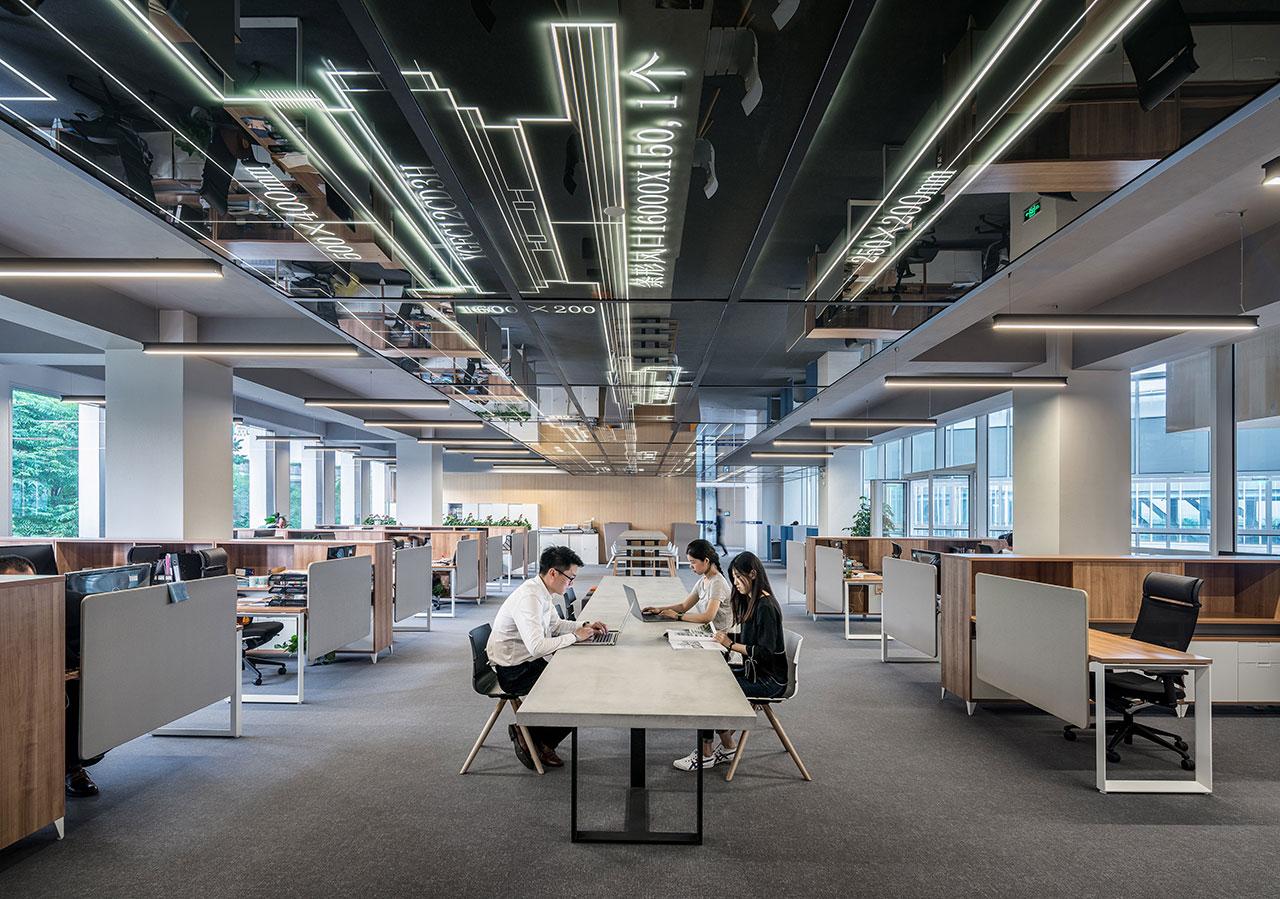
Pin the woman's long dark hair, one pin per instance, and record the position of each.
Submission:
(703, 551)
(752, 570)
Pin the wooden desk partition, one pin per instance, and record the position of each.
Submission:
(869, 551)
(444, 543)
(268, 553)
(32, 795)
(1240, 599)
(79, 553)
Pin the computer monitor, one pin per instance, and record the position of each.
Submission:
(38, 554)
(345, 551)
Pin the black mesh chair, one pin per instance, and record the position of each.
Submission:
(896, 550)
(253, 636)
(1170, 609)
(150, 554)
(484, 680)
(986, 548)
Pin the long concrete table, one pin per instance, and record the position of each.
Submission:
(640, 683)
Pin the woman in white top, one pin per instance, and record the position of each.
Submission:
(709, 600)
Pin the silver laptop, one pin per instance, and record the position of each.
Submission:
(634, 602)
(609, 638)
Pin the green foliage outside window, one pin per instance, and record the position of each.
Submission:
(46, 466)
(239, 478)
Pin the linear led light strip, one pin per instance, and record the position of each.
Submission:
(930, 143)
(399, 184)
(1106, 322)
(475, 128)
(980, 168)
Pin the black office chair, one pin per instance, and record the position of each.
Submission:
(1170, 609)
(149, 554)
(896, 549)
(253, 636)
(986, 548)
(213, 562)
(1008, 539)
(484, 680)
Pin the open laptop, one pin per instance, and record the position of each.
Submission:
(634, 602)
(609, 638)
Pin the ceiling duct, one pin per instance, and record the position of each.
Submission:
(734, 51)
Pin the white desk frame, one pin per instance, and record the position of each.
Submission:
(300, 619)
(1203, 783)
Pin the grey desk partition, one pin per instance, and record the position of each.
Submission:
(532, 553)
(828, 579)
(519, 552)
(413, 581)
(795, 570)
(467, 574)
(493, 558)
(146, 661)
(909, 611)
(1033, 642)
(339, 604)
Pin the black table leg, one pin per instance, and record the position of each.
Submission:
(636, 828)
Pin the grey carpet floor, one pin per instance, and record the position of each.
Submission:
(357, 793)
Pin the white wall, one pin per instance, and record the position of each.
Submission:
(840, 489)
(419, 483)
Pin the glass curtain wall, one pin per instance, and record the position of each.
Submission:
(1170, 500)
(1257, 422)
(1000, 472)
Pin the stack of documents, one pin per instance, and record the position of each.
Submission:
(694, 638)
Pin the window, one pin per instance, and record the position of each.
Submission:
(1257, 445)
(240, 477)
(950, 506)
(295, 483)
(870, 467)
(922, 451)
(961, 442)
(893, 459)
(46, 466)
(1000, 472)
(1170, 498)
(919, 507)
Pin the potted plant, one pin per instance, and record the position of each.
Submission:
(861, 526)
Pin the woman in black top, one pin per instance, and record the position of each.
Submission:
(763, 674)
(760, 639)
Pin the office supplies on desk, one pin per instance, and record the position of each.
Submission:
(693, 638)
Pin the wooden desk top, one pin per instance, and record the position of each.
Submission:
(1114, 649)
(251, 610)
(870, 577)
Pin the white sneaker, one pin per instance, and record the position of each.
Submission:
(724, 756)
(690, 761)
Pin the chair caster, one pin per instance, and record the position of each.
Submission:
(282, 670)
(257, 681)
(1188, 765)
(1181, 744)
(1113, 756)
(1069, 733)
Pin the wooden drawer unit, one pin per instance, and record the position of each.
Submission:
(1225, 655)
(1258, 677)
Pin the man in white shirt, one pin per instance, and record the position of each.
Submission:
(526, 630)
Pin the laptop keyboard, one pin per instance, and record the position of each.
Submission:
(603, 638)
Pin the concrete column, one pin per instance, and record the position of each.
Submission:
(419, 483)
(312, 471)
(1071, 466)
(840, 489)
(280, 500)
(168, 471)
(6, 453)
(90, 468)
(1222, 451)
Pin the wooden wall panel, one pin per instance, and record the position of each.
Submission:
(650, 504)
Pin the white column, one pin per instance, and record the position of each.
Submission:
(366, 506)
(281, 458)
(377, 489)
(6, 453)
(840, 489)
(90, 466)
(346, 463)
(328, 488)
(258, 452)
(1071, 466)
(168, 471)
(419, 483)
(312, 469)
(1222, 465)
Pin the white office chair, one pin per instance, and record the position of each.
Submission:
(793, 641)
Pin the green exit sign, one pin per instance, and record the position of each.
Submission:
(1031, 211)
